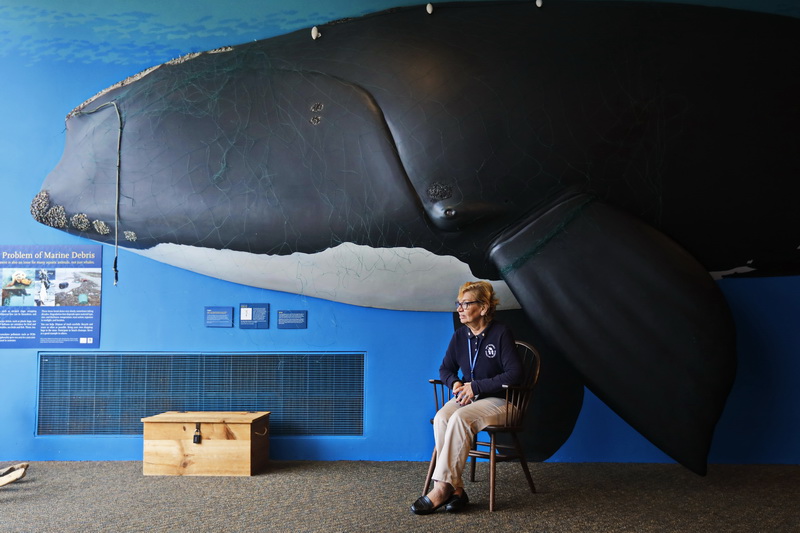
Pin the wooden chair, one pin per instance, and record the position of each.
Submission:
(519, 396)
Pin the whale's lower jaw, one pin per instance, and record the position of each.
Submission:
(404, 279)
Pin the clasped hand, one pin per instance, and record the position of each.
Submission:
(463, 393)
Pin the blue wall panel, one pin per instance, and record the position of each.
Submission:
(160, 308)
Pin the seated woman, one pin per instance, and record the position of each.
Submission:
(485, 353)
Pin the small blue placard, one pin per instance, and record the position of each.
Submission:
(292, 319)
(219, 317)
(253, 316)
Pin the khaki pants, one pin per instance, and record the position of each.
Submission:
(454, 428)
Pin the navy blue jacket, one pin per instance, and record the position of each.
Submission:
(496, 364)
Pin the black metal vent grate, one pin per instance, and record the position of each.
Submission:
(109, 393)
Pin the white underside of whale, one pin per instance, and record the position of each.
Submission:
(408, 279)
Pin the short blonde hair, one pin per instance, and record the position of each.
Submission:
(484, 293)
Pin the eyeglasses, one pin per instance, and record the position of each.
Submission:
(465, 305)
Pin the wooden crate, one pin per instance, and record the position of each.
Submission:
(231, 443)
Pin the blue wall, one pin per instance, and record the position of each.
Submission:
(53, 59)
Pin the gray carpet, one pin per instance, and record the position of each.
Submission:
(375, 496)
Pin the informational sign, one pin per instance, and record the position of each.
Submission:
(253, 316)
(51, 296)
(219, 317)
(292, 319)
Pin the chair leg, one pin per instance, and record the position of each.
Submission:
(523, 462)
(473, 461)
(431, 468)
(492, 465)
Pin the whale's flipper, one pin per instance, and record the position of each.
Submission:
(635, 314)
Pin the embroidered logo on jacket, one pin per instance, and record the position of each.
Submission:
(490, 351)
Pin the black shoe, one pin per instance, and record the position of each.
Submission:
(424, 505)
(457, 503)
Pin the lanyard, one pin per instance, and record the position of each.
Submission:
(473, 358)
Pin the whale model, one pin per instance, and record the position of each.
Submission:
(595, 159)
